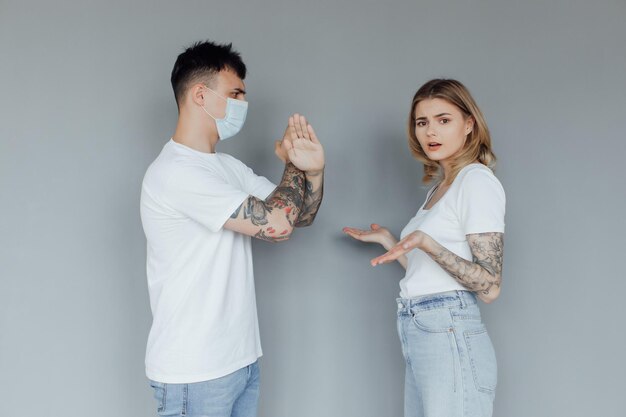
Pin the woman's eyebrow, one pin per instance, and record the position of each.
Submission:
(438, 115)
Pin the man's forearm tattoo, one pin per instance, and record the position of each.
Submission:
(287, 197)
(312, 202)
(253, 209)
(269, 235)
(485, 272)
(290, 193)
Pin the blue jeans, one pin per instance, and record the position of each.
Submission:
(451, 366)
(233, 395)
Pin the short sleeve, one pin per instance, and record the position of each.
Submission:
(203, 196)
(481, 203)
(258, 186)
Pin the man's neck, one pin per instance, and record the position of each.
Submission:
(194, 136)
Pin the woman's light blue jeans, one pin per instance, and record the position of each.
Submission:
(233, 395)
(451, 366)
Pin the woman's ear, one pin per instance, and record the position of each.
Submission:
(469, 125)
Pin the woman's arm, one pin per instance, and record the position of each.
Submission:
(376, 234)
(482, 276)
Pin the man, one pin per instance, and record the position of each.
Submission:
(199, 209)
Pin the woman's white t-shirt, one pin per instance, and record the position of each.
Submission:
(474, 203)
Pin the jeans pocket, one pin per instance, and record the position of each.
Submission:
(482, 359)
(433, 321)
(160, 392)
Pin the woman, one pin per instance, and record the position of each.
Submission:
(452, 252)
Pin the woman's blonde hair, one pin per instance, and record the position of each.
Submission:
(477, 146)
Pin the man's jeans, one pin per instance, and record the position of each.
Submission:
(233, 395)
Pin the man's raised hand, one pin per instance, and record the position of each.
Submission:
(303, 147)
(280, 146)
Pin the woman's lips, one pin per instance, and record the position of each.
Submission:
(433, 146)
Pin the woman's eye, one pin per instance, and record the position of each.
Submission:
(444, 121)
(420, 123)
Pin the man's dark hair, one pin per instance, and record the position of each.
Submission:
(201, 62)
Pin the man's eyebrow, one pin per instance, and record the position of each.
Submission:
(239, 90)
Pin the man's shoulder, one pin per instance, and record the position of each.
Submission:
(229, 159)
(172, 167)
(234, 164)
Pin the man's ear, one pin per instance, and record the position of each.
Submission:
(196, 93)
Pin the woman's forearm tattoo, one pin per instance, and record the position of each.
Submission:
(485, 272)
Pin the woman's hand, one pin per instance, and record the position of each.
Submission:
(416, 240)
(376, 234)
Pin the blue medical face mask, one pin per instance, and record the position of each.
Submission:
(234, 118)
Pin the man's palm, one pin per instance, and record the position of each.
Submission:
(307, 155)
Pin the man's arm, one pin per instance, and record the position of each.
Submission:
(272, 219)
(313, 194)
(301, 146)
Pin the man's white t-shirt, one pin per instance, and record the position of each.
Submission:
(200, 276)
(474, 203)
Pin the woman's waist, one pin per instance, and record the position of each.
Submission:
(462, 299)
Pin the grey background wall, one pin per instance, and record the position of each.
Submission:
(85, 106)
